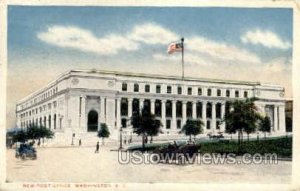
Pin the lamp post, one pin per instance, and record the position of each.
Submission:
(73, 135)
(121, 131)
(121, 134)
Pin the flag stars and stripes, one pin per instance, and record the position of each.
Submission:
(175, 47)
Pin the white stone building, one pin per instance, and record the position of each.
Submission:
(78, 101)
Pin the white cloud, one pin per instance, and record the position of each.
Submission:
(84, 40)
(264, 38)
(150, 33)
(190, 59)
(220, 50)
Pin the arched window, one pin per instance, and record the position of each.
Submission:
(189, 109)
(147, 106)
(218, 110)
(49, 121)
(54, 121)
(168, 108)
(209, 110)
(157, 108)
(178, 109)
(199, 109)
(124, 107)
(135, 106)
(92, 121)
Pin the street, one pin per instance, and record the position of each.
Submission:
(81, 164)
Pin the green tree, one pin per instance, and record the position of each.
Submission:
(265, 125)
(192, 127)
(145, 124)
(242, 117)
(103, 132)
(19, 136)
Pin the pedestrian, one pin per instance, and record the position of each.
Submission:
(97, 148)
(79, 142)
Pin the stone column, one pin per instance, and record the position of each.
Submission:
(163, 113)
(213, 117)
(204, 114)
(83, 113)
(223, 125)
(130, 107)
(152, 108)
(102, 110)
(118, 118)
(141, 104)
(183, 113)
(281, 110)
(194, 110)
(275, 118)
(173, 123)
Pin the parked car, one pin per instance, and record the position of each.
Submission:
(215, 136)
(26, 151)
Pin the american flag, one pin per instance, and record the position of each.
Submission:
(175, 47)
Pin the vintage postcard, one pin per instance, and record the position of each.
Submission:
(127, 96)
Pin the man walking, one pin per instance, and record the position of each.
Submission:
(97, 148)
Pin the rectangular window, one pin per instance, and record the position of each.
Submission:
(169, 89)
(168, 124)
(218, 92)
(199, 91)
(208, 92)
(245, 94)
(147, 88)
(136, 88)
(227, 93)
(158, 89)
(124, 87)
(179, 90)
(237, 93)
(190, 92)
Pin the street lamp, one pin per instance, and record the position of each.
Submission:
(73, 135)
(121, 131)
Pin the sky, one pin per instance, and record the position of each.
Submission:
(249, 44)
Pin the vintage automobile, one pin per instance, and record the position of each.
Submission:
(215, 136)
(184, 154)
(26, 151)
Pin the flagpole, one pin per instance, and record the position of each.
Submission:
(182, 53)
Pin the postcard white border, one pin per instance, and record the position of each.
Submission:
(167, 3)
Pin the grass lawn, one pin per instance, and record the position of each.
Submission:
(282, 146)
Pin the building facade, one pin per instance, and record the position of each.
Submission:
(78, 101)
